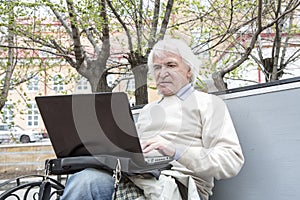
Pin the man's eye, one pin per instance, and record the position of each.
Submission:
(171, 65)
(155, 67)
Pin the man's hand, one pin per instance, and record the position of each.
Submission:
(160, 144)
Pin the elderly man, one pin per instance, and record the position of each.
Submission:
(193, 127)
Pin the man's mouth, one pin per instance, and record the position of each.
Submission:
(164, 82)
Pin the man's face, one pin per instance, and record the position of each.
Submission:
(170, 72)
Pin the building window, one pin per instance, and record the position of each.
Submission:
(83, 85)
(32, 115)
(58, 83)
(33, 84)
(130, 85)
(8, 113)
(110, 78)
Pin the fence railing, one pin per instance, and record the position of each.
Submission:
(24, 158)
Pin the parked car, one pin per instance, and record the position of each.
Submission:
(9, 133)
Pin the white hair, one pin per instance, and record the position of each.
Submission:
(179, 48)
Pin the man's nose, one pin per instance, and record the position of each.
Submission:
(164, 72)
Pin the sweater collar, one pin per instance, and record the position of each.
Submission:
(185, 92)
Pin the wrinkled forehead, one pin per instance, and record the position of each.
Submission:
(166, 56)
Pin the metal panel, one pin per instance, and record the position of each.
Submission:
(268, 125)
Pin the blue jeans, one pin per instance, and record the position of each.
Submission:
(89, 184)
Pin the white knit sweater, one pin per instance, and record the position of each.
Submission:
(202, 130)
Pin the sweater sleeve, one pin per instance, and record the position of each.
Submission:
(220, 154)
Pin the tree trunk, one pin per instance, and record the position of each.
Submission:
(218, 81)
(141, 89)
(10, 66)
(277, 42)
(102, 84)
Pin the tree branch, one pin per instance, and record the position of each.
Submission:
(105, 50)
(286, 42)
(139, 26)
(154, 23)
(223, 37)
(130, 46)
(166, 18)
(75, 34)
(60, 18)
(218, 76)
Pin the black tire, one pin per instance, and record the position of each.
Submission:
(25, 139)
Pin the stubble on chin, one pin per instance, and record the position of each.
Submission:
(165, 91)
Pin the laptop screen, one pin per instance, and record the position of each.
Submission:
(90, 124)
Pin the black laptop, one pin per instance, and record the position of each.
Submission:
(97, 125)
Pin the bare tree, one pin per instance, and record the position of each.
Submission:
(9, 57)
(91, 66)
(84, 43)
(273, 65)
(235, 32)
(142, 32)
(10, 66)
(82, 36)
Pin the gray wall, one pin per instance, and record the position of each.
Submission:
(268, 125)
